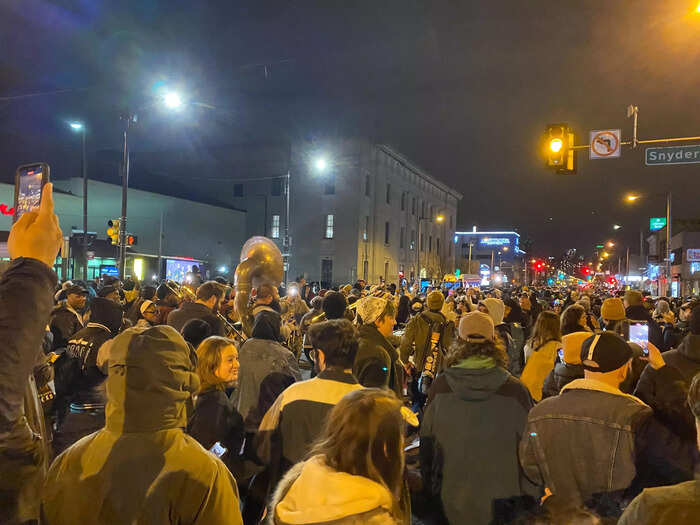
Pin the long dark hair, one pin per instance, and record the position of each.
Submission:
(404, 310)
(570, 319)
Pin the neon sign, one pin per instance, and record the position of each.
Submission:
(5, 210)
(495, 241)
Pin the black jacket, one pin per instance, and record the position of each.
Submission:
(562, 375)
(375, 362)
(639, 313)
(215, 419)
(64, 323)
(656, 387)
(26, 299)
(188, 311)
(469, 441)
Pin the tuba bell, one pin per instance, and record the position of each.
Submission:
(261, 263)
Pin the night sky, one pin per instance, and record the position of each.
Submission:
(464, 89)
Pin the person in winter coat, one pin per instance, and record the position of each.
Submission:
(266, 366)
(541, 353)
(473, 397)
(612, 310)
(142, 467)
(591, 321)
(635, 311)
(209, 295)
(66, 319)
(26, 299)
(376, 360)
(675, 504)
(215, 419)
(594, 445)
(574, 319)
(495, 308)
(354, 474)
(568, 367)
(654, 389)
(674, 335)
(79, 380)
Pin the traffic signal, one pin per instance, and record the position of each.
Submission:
(131, 240)
(114, 230)
(558, 148)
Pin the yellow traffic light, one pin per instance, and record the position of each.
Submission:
(555, 145)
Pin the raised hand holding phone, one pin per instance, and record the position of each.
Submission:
(37, 234)
(655, 358)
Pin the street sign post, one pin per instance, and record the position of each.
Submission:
(605, 144)
(672, 155)
(657, 223)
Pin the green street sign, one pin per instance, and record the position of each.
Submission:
(458, 272)
(656, 223)
(672, 155)
(599, 246)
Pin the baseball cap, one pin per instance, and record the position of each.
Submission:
(605, 352)
(476, 327)
(145, 305)
(106, 290)
(75, 289)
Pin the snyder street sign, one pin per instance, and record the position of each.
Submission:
(672, 155)
(605, 144)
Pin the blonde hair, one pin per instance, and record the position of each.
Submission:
(209, 360)
(363, 436)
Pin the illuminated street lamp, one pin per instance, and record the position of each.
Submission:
(440, 218)
(172, 100)
(79, 127)
(611, 244)
(321, 164)
(631, 197)
(616, 227)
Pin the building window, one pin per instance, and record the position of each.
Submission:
(365, 270)
(430, 243)
(413, 206)
(329, 186)
(401, 237)
(449, 250)
(386, 271)
(367, 185)
(276, 188)
(366, 229)
(437, 245)
(413, 239)
(432, 212)
(386, 232)
(422, 209)
(275, 227)
(422, 242)
(388, 193)
(238, 190)
(329, 227)
(403, 201)
(450, 222)
(327, 272)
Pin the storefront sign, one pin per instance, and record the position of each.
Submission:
(692, 255)
(495, 241)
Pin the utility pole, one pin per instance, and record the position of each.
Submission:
(668, 243)
(85, 208)
(125, 187)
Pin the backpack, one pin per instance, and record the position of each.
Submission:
(433, 352)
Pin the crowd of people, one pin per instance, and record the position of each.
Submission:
(364, 404)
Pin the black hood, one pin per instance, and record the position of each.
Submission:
(106, 312)
(690, 347)
(475, 384)
(267, 325)
(637, 313)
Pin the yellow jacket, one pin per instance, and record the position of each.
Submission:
(538, 366)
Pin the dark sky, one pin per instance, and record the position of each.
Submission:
(462, 88)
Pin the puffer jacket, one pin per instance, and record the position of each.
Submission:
(141, 467)
(562, 375)
(538, 367)
(312, 492)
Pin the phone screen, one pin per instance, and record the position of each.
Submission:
(218, 450)
(639, 333)
(29, 189)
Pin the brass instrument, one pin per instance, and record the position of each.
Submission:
(180, 291)
(231, 329)
(261, 263)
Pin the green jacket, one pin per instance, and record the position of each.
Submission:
(142, 467)
(376, 362)
(417, 333)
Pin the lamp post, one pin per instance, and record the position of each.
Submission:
(170, 100)
(81, 128)
(439, 218)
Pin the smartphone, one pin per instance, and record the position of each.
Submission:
(639, 333)
(218, 450)
(29, 183)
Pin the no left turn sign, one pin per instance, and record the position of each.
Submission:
(605, 144)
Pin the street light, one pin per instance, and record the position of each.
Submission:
(81, 128)
(440, 218)
(172, 100)
(611, 244)
(321, 164)
(616, 227)
(631, 197)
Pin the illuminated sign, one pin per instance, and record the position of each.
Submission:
(495, 241)
(656, 223)
(692, 255)
(5, 210)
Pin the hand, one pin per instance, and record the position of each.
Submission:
(655, 359)
(36, 234)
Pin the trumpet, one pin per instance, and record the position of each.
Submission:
(180, 291)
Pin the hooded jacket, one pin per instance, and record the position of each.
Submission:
(141, 467)
(469, 440)
(262, 360)
(312, 492)
(497, 309)
(417, 333)
(376, 360)
(64, 323)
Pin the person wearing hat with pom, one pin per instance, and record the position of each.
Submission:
(594, 445)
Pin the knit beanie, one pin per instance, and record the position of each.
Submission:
(496, 308)
(435, 300)
(613, 309)
(572, 346)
